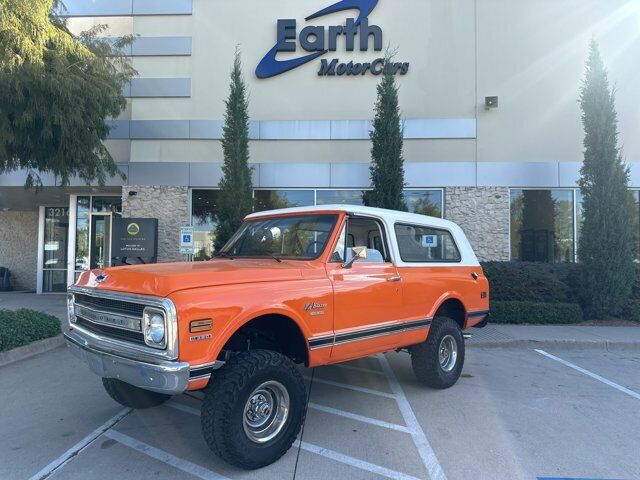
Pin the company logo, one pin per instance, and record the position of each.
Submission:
(102, 277)
(133, 229)
(319, 41)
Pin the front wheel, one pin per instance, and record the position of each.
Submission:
(437, 362)
(254, 408)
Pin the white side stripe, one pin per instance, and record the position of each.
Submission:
(161, 455)
(427, 454)
(359, 418)
(591, 374)
(80, 446)
(353, 462)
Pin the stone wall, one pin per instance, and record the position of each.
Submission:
(19, 247)
(169, 205)
(483, 214)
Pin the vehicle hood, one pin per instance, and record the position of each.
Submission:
(162, 279)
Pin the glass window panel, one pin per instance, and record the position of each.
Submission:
(542, 224)
(82, 209)
(54, 281)
(424, 202)
(341, 197)
(276, 199)
(204, 218)
(82, 244)
(107, 205)
(55, 237)
(424, 244)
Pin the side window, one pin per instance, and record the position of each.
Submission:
(366, 232)
(425, 244)
(338, 253)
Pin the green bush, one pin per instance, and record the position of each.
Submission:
(535, 313)
(21, 327)
(533, 281)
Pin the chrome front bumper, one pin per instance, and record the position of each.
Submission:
(171, 378)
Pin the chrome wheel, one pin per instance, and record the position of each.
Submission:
(266, 412)
(448, 353)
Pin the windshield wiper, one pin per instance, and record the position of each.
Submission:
(277, 259)
(224, 255)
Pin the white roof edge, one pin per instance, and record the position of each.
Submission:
(390, 215)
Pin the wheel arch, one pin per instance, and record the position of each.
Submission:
(452, 306)
(274, 330)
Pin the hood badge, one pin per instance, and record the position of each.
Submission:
(102, 277)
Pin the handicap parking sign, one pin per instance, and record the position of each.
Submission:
(429, 241)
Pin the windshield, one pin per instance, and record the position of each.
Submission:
(299, 238)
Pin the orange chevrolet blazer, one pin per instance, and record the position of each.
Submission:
(309, 286)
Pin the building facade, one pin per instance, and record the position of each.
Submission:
(488, 93)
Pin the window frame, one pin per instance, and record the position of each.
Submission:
(381, 225)
(440, 229)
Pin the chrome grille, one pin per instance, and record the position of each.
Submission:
(110, 305)
(113, 332)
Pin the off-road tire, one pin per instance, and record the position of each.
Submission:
(225, 399)
(425, 359)
(132, 397)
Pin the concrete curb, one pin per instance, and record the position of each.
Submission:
(35, 348)
(603, 345)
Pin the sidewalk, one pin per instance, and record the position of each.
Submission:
(53, 303)
(565, 336)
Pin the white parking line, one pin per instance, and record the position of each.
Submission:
(80, 446)
(153, 452)
(353, 462)
(427, 454)
(323, 452)
(591, 374)
(352, 387)
(359, 418)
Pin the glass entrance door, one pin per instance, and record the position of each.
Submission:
(100, 241)
(54, 267)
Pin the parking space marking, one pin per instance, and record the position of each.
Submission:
(67, 456)
(359, 418)
(591, 374)
(353, 462)
(165, 457)
(352, 387)
(357, 369)
(425, 450)
(323, 452)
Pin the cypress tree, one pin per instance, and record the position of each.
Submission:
(236, 199)
(387, 167)
(606, 243)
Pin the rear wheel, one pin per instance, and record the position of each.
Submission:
(438, 361)
(132, 397)
(254, 408)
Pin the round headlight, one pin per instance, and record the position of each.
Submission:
(155, 330)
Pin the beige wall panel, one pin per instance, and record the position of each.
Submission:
(294, 151)
(531, 54)
(163, 66)
(440, 48)
(117, 26)
(120, 150)
(176, 151)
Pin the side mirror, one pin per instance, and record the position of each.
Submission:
(358, 253)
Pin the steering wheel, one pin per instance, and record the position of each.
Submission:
(310, 250)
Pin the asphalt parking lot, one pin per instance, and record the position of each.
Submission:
(514, 414)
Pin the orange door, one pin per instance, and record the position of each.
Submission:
(367, 308)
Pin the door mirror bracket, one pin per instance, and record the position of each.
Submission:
(358, 253)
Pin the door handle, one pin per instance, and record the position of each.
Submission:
(394, 279)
